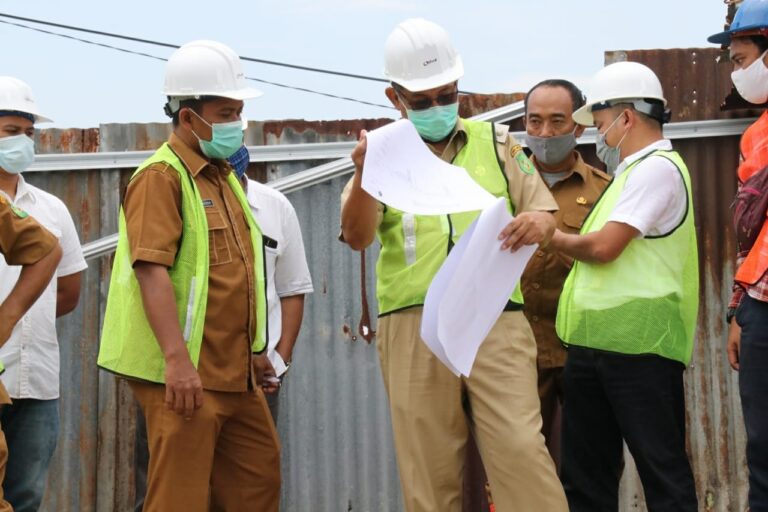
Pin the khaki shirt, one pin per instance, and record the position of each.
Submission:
(528, 191)
(22, 242)
(154, 227)
(545, 274)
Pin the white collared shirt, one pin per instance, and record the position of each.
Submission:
(287, 270)
(31, 355)
(654, 197)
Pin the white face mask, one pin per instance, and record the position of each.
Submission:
(752, 81)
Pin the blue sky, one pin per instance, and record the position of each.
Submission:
(506, 47)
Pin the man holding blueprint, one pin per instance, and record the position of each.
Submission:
(432, 408)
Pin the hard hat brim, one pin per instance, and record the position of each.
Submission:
(721, 38)
(583, 115)
(248, 93)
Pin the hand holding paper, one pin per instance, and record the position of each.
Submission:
(400, 171)
(470, 290)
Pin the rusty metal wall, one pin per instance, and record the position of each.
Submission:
(337, 447)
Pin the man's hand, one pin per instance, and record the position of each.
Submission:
(358, 154)
(734, 344)
(183, 387)
(528, 228)
(266, 377)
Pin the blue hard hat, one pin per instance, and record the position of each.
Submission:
(751, 15)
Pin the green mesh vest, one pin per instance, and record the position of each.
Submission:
(413, 247)
(128, 344)
(644, 302)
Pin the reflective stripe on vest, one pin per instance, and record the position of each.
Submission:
(644, 302)
(128, 344)
(413, 247)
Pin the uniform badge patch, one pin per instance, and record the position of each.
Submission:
(19, 212)
(522, 161)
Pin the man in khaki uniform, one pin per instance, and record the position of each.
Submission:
(432, 409)
(22, 242)
(212, 442)
(551, 135)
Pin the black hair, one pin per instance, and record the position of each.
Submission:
(761, 42)
(195, 104)
(577, 97)
(657, 121)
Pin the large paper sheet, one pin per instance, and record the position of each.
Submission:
(469, 292)
(400, 171)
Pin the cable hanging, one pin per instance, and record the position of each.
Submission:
(155, 57)
(170, 45)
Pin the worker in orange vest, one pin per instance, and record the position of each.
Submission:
(747, 39)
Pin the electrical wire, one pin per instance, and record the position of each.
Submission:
(170, 45)
(142, 54)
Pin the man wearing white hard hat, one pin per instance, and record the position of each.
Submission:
(186, 315)
(628, 308)
(433, 411)
(31, 355)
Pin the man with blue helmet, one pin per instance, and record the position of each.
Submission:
(747, 39)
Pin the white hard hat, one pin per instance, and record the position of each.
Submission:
(623, 82)
(206, 68)
(16, 96)
(418, 56)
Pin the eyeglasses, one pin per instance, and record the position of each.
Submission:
(424, 103)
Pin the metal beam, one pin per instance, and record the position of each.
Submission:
(132, 159)
(344, 166)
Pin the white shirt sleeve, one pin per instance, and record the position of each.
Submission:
(72, 260)
(654, 200)
(291, 271)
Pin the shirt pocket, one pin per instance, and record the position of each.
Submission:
(218, 240)
(572, 221)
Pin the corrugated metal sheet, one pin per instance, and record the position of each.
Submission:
(334, 424)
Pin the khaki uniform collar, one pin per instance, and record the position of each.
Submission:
(457, 140)
(194, 162)
(580, 167)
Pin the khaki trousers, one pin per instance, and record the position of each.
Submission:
(431, 426)
(226, 458)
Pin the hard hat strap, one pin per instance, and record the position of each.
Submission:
(648, 106)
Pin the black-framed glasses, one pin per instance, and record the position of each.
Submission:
(442, 100)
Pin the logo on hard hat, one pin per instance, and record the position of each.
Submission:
(430, 61)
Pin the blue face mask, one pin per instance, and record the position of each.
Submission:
(436, 123)
(16, 153)
(226, 139)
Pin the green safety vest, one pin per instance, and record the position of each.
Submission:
(128, 344)
(413, 247)
(644, 302)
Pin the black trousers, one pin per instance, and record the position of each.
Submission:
(610, 398)
(752, 316)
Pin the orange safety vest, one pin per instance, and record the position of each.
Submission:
(754, 157)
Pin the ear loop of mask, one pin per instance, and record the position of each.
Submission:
(203, 120)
